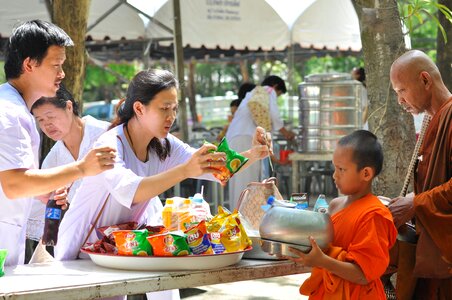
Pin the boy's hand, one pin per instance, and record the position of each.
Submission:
(311, 259)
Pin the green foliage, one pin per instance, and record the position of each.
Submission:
(2, 72)
(420, 18)
(101, 84)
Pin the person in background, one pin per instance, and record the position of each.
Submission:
(244, 89)
(363, 228)
(358, 73)
(242, 128)
(34, 59)
(59, 119)
(233, 106)
(150, 160)
(419, 87)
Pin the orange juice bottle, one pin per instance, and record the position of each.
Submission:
(185, 217)
(168, 215)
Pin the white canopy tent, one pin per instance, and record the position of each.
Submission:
(268, 25)
(123, 21)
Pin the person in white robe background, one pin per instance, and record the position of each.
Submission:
(149, 161)
(59, 118)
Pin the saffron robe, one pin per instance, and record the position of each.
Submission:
(433, 206)
(363, 234)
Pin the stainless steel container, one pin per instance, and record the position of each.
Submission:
(291, 226)
(329, 108)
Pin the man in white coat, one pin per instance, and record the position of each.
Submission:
(33, 67)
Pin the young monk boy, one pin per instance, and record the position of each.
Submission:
(363, 228)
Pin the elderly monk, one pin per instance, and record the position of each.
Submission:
(420, 88)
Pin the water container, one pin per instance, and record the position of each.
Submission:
(329, 108)
(321, 205)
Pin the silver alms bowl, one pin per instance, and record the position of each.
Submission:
(295, 226)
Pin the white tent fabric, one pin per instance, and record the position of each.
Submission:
(240, 24)
(270, 24)
(329, 24)
(252, 24)
(122, 22)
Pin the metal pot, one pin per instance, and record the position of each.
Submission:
(294, 226)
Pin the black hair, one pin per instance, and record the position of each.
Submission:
(144, 86)
(32, 39)
(367, 150)
(59, 101)
(243, 89)
(275, 80)
(361, 74)
(235, 102)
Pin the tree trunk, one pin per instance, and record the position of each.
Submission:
(72, 17)
(443, 49)
(382, 42)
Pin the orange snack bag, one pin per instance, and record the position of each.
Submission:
(171, 243)
(132, 242)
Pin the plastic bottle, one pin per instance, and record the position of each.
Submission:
(199, 211)
(185, 217)
(53, 216)
(272, 201)
(321, 205)
(168, 215)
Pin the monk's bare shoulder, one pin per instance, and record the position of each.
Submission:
(336, 205)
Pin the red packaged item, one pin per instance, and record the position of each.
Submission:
(108, 230)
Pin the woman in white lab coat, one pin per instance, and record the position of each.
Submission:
(149, 161)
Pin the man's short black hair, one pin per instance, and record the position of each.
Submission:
(275, 80)
(32, 39)
(235, 102)
(367, 151)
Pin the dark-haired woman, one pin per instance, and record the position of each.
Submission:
(59, 119)
(149, 161)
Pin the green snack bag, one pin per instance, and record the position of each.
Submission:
(132, 242)
(3, 254)
(234, 161)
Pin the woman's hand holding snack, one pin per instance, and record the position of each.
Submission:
(205, 160)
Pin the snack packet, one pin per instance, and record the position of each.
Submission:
(171, 243)
(234, 161)
(3, 254)
(215, 241)
(108, 230)
(198, 239)
(132, 242)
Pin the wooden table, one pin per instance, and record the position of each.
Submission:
(297, 166)
(82, 279)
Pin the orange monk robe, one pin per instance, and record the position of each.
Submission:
(433, 183)
(363, 233)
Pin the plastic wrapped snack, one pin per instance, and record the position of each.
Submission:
(198, 239)
(234, 161)
(3, 253)
(132, 242)
(108, 230)
(172, 243)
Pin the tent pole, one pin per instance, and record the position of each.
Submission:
(179, 63)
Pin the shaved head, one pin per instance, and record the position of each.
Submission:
(414, 62)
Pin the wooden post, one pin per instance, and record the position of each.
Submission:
(179, 63)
